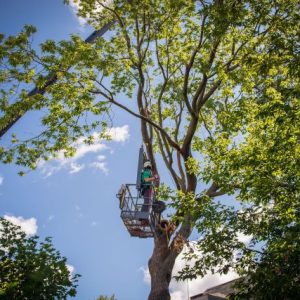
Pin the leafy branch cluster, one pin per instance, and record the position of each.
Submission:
(32, 270)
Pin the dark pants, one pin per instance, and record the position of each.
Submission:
(148, 193)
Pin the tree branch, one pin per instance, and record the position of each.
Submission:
(182, 175)
(189, 67)
(168, 162)
(141, 117)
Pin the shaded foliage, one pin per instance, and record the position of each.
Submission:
(32, 270)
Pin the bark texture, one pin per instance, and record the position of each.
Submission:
(160, 268)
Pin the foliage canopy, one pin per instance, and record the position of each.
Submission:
(216, 87)
(32, 270)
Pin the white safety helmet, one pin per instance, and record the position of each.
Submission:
(147, 164)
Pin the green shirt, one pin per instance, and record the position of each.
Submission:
(147, 173)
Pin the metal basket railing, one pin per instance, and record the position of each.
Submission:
(137, 216)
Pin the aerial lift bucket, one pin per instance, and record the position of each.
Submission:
(139, 221)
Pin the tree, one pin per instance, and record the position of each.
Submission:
(32, 270)
(216, 90)
(265, 170)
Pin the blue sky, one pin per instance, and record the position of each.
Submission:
(74, 201)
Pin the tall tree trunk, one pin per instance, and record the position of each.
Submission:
(164, 256)
(160, 268)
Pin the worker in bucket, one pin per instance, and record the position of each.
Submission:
(148, 181)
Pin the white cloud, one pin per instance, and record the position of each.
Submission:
(48, 168)
(75, 168)
(75, 6)
(29, 226)
(85, 151)
(146, 275)
(244, 238)
(181, 290)
(178, 295)
(71, 270)
(100, 166)
(101, 157)
(1, 179)
(119, 134)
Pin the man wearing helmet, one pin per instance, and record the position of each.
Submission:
(147, 185)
